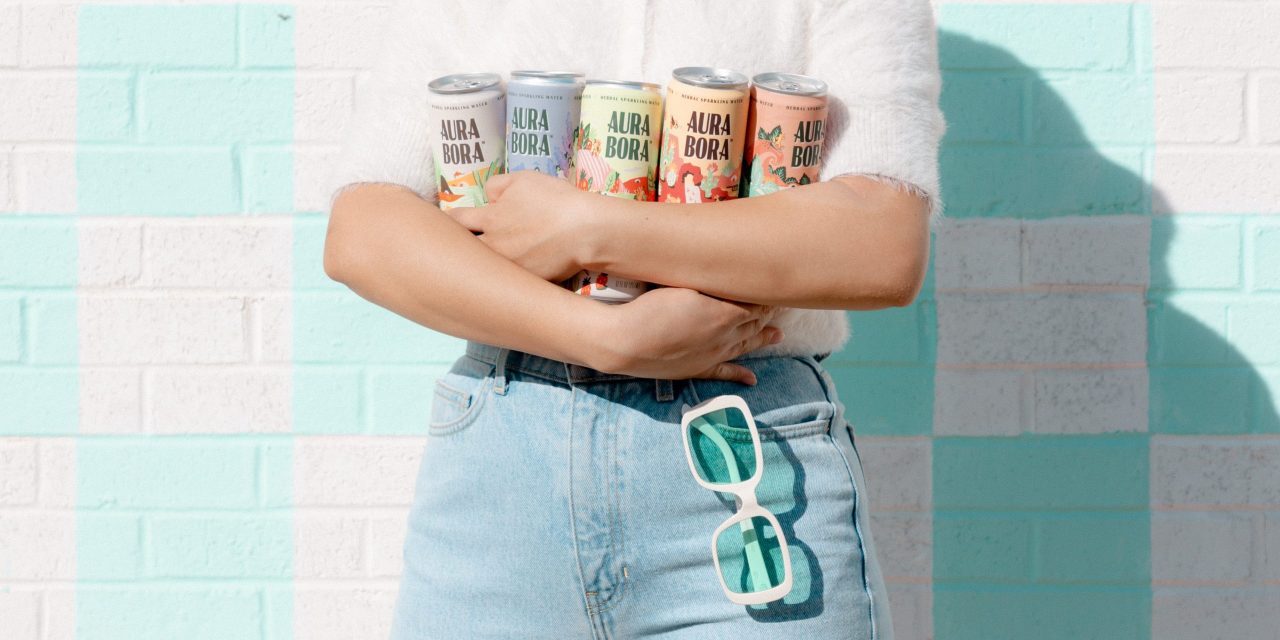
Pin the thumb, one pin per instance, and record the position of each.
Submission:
(730, 372)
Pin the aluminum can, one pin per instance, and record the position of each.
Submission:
(616, 154)
(785, 129)
(542, 116)
(469, 112)
(704, 124)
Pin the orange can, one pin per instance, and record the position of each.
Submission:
(786, 125)
(704, 127)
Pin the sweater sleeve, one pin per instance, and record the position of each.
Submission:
(880, 61)
(388, 138)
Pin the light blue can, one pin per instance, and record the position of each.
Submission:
(542, 115)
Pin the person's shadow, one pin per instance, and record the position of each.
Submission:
(1017, 163)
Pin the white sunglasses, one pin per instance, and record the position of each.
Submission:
(751, 556)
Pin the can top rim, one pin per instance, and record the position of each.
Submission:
(627, 84)
(710, 77)
(464, 82)
(790, 83)
(548, 77)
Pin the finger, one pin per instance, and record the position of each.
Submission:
(765, 337)
(495, 186)
(472, 218)
(729, 372)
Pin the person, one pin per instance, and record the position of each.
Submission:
(553, 497)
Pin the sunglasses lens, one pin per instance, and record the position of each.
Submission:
(720, 442)
(750, 555)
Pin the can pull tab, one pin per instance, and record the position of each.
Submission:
(790, 86)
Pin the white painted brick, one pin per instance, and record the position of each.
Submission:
(1218, 181)
(1199, 107)
(273, 318)
(169, 329)
(1041, 328)
(38, 546)
(1270, 548)
(110, 252)
(978, 254)
(1101, 251)
(60, 614)
(8, 195)
(970, 402)
(58, 472)
(239, 254)
(10, 20)
(899, 472)
(904, 544)
(386, 545)
(1189, 471)
(20, 610)
(312, 177)
(110, 400)
(322, 105)
(45, 180)
(912, 609)
(1200, 547)
(1267, 109)
(326, 546)
(338, 36)
(38, 107)
(341, 613)
(49, 35)
(219, 401)
(18, 480)
(1215, 34)
(1072, 401)
(1197, 614)
(359, 470)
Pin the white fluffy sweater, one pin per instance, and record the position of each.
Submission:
(879, 58)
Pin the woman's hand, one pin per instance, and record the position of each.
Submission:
(534, 220)
(673, 333)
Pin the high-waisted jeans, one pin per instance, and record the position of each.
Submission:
(555, 501)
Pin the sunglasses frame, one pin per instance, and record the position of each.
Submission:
(744, 493)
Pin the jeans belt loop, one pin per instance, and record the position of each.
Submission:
(662, 389)
(500, 372)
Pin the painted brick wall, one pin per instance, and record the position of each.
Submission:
(1071, 434)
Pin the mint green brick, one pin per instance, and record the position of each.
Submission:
(222, 108)
(1065, 613)
(1029, 182)
(108, 546)
(1266, 258)
(1266, 397)
(38, 252)
(157, 35)
(976, 548)
(308, 254)
(279, 613)
(165, 612)
(1043, 36)
(1185, 331)
(1200, 400)
(52, 334)
(157, 472)
(326, 400)
(1254, 330)
(400, 401)
(157, 181)
(1195, 253)
(983, 107)
(104, 106)
(1095, 548)
(267, 35)
(268, 180)
(1040, 472)
(344, 328)
(39, 401)
(10, 329)
(275, 467)
(892, 335)
(1076, 108)
(886, 400)
(221, 546)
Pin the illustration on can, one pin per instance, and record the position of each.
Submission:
(542, 117)
(785, 130)
(704, 129)
(469, 111)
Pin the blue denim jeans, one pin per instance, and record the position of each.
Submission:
(555, 501)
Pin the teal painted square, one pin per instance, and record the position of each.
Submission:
(223, 108)
(162, 473)
(275, 468)
(1265, 393)
(157, 180)
(886, 400)
(1266, 257)
(279, 612)
(104, 106)
(166, 612)
(53, 336)
(10, 328)
(988, 106)
(193, 36)
(108, 545)
(249, 545)
(1254, 331)
(308, 255)
(1188, 331)
(327, 400)
(1200, 400)
(400, 401)
(1092, 108)
(1064, 613)
(40, 401)
(1094, 548)
(892, 335)
(970, 547)
(1040, 36)
(1195, 254)
(38, 252)
(267, 35)
(1041, 182)
(268, 180)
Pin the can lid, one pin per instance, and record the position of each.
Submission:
(549, 77)
(710, 77)
(626, 84)
(464, 82)
(790, 83)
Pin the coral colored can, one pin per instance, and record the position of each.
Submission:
(785, 129)
(616, 154)
(542, 116)
(704, 129)
(469, 147)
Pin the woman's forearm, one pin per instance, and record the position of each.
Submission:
(850, 243)
(400, 252)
